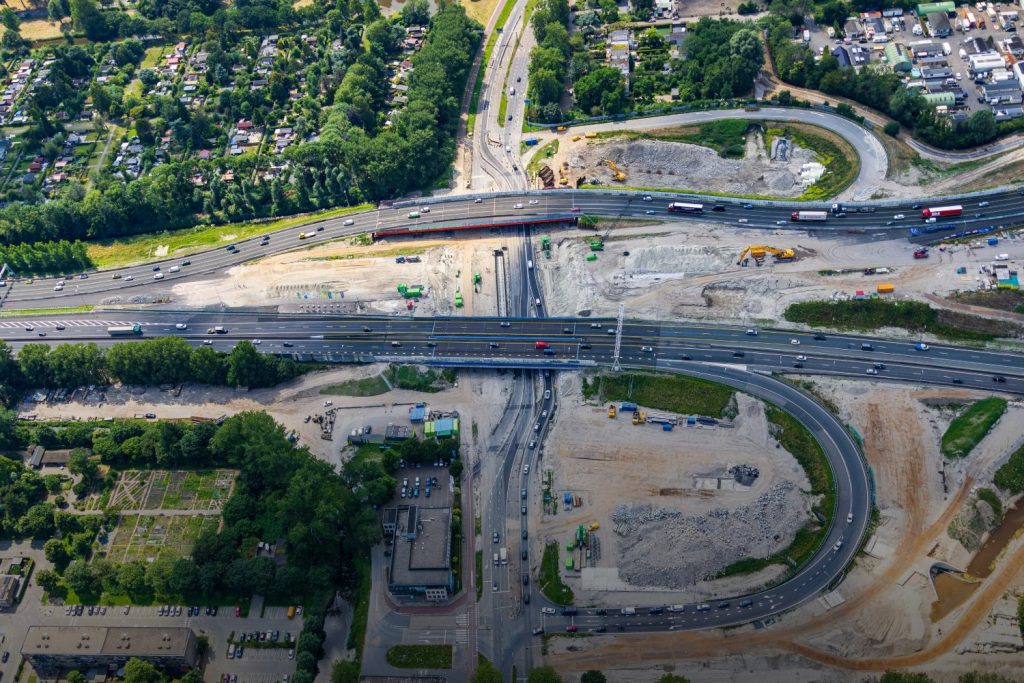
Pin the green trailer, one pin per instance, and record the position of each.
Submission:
(458, 300)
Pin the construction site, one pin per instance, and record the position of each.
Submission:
(641, 501)
(782, 170)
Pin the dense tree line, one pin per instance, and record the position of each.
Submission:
(163, 360)
(722, 60)
(23, 512)
(549, 58)
(877, 87)
(45, 257)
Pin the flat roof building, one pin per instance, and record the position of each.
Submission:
(421, 554)
(54, 648)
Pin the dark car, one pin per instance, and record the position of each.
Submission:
(585, 346)
(718, 207)
(186, 263)
(999, 378)
(656, 610)
(524, 553)
(601, 612)
(798, 365)
(957, 380)
(60, 327)
(746, 602)
(820, 337)
(723, 605)
(685, 356)
(156, 268)
(287, 345)
(738, 354)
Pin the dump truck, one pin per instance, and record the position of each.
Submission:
(942, 212)
(124, 330)
(410, 291)
(803, 216)
(886, 288)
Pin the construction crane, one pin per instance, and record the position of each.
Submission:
(619, 175)
(759, 252)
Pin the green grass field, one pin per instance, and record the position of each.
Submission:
(368, 386)
(112, 254)
(420, 656)
(550, 578)
(968, 429)
(684, 395)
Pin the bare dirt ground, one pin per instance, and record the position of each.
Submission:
(883, 622)
(360, 278)
(664, 500)
(291, 402)
(676, 165)
(690, 272)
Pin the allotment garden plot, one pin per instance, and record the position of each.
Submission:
(165, 511)
(144, 537)
(205, 491)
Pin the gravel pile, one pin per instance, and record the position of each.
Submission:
(662, 547)
(656, 163)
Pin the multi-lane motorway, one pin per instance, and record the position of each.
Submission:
(739, 357)
(120, 285)
(574, 343)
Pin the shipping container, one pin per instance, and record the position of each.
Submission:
(886, 288)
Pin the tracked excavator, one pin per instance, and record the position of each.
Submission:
(759, 252)
(619, 175)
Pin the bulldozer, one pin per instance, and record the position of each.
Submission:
(619, 175)
(759, 252)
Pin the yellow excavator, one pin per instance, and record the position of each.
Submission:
(619, 175)
(759, 252)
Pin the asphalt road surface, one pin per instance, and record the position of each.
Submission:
(156, 280)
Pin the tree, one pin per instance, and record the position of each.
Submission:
(88, 18)
(601, 91)
(80, 579)
(593, 676)
(543, 674)
(904, 677)
(57, 9)
(56, 553)
(672, 678)
(37, 521)
(485, 673)
(976, 677)
(75, 676)
(47, 580)
(10, 20)
(139, 671)
(891, 128)
(982, 126)
(416, 13)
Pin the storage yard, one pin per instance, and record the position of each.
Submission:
(664, 500)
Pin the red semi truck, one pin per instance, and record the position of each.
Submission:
(942, 212)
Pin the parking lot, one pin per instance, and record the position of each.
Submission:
(939, 65)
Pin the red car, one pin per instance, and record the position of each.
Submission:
(571, 628)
